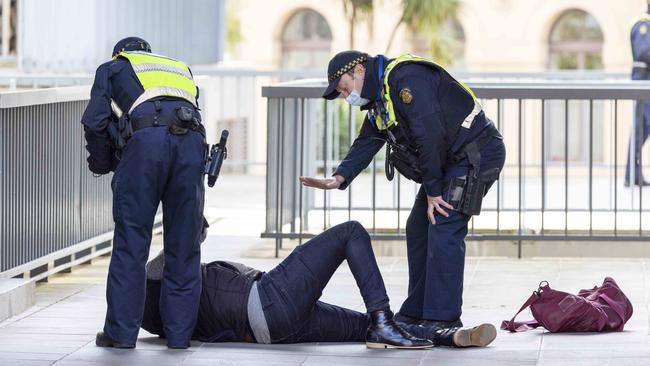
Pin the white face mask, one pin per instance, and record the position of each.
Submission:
(354, 98)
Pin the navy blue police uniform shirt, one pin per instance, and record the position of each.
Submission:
(640, 39)
(425, 119)
(115, 80)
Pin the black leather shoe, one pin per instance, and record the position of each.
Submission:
(403, 318)
(639, 182)
(103, 340)
(384, 333)
(479, 336)
(442, 323)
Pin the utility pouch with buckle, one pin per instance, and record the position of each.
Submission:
(402, 158)
(466, 193)
(124, 129)
(187, 122)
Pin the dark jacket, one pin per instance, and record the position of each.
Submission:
(223, 311)
(430, 122)
(640, 41)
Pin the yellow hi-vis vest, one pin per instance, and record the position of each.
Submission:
(160, 76)
(390, 119)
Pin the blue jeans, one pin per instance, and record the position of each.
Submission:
(289, 293)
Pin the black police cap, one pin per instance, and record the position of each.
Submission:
(341, 63)
(131, 44)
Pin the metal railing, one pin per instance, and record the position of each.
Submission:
(566, 141)
(230, 100)
(234, 102)
(53, 213)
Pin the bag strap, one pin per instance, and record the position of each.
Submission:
(514, 326)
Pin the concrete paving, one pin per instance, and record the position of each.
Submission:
(69, 309)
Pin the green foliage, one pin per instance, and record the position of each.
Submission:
(427, 18)
(355, 11)
(428, 15)
(233, 31)
(359, 7)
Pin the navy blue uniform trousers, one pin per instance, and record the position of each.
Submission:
(638, 137)
(436, 253)
(289, 293)
(156, 166)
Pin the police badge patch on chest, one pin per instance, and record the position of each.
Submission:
(406, 96)
(643, 29)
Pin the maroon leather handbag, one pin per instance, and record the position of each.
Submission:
(601, 309)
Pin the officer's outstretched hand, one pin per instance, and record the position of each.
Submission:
(322, 183)
(437, 203)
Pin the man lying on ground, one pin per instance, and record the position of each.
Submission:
(242, 304)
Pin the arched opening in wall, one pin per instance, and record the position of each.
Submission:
(446, 48)
(306, 41)
(8, 26)
(575, 43)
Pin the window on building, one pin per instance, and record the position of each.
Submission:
(8, 21)
(576, 42)
(306, 41)
(452, 38)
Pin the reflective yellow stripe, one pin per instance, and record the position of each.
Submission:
(392, 118)
(162, 91)
(388, 103)
(161, 76)
(145, 67)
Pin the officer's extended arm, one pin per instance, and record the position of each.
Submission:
(95, 120)
(363, 149)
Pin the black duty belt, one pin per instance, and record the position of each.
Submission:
(177, 126)
(151, 121)
(481, 140)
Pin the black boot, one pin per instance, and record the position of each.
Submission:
(479, 336)
(403, 318)
(442, 323)
(103, 340)
(384, 333)
(638, 182)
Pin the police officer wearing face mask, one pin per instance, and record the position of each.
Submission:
(640, 38)
(142, 122)
(436, 134)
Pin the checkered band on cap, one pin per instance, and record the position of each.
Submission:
(347, 67)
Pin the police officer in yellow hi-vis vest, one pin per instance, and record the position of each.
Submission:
(640, 40)
(142, 122)
(436, 134)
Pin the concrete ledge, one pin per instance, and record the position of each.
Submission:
(16, 296)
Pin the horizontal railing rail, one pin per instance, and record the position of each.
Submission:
(564, 179)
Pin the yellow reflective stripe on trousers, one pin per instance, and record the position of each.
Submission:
(382, 125)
